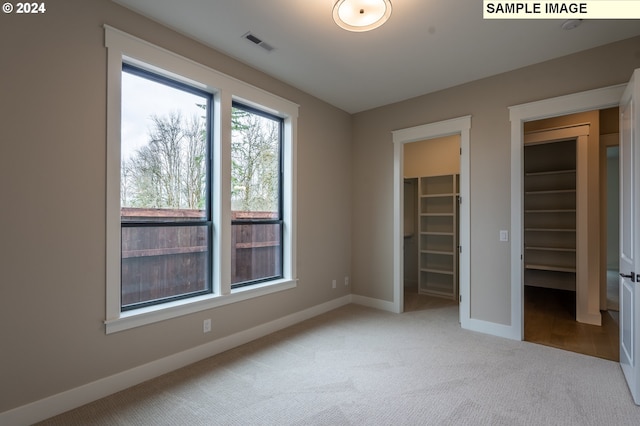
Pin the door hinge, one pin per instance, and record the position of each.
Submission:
(460, 299)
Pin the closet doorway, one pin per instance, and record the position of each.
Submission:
(431, 223)
(566, 232)
(402, 138)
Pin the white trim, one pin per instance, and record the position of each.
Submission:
(290, 197)
(383, 305)
(221, 200)
(73, 398)
(519, 114)
(557, 134)
(461, 126)
(491, 328)
(112, 226)
(122, 47)
(151, 314)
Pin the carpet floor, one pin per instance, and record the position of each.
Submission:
(361, 366)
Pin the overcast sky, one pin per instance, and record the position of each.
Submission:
(141, 99)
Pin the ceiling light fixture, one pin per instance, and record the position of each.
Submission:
(361, 15)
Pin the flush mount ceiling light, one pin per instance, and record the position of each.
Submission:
(361, 15)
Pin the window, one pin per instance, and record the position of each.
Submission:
(164, 189)
(256, 201)
(200, 211)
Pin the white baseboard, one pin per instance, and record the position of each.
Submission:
(589, 318)
(73, 398)
(500, 330)
(383, 305)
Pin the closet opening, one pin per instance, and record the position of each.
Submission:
(569, 229)
(431, 223)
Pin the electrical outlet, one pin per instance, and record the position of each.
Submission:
(206, 325)
(333, 283)
(346, 280)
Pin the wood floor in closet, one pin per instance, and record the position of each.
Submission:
(549, 319)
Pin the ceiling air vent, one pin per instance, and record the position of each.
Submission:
(257, 41)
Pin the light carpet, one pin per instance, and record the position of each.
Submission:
(361, 366)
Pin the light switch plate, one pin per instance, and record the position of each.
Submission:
(504, 235)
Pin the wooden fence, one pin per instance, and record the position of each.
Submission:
(166, 261)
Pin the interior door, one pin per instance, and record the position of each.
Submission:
(629, 238)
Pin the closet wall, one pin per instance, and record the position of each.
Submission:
(432, 157)
(609, 207)
(410, 231)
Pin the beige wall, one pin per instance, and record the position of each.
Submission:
(52, 181)
(487, 101)
(433, 157)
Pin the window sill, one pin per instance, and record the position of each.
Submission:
(153, 314)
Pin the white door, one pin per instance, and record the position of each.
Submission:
(629, 238)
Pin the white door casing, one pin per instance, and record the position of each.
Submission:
(461, 126)
(519, 114)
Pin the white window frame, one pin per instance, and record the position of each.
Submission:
(122, 47)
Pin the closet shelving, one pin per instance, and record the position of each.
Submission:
(438, 228)
(550, 215)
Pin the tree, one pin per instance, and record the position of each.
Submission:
(170, 171)
(195, 164)
(254, 162)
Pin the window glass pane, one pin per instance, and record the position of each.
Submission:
(163, 262)
(164, 150)
(164, 190)
(255, 165)
(256, 252)
(256, 232)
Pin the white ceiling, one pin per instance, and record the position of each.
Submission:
(427, 45)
